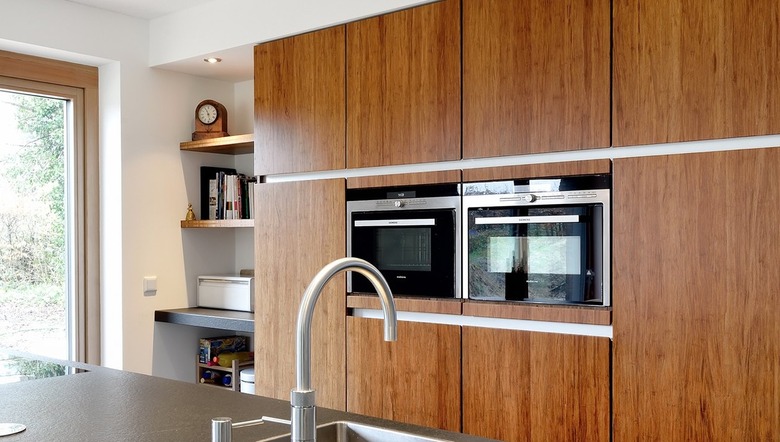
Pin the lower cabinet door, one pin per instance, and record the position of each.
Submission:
(301, 229)
(697, 328)
(532, 386)
(414, 380)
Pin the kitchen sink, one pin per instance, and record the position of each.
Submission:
(346, 431)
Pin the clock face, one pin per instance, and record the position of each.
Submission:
(207, 114)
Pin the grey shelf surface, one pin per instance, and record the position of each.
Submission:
(207, 317)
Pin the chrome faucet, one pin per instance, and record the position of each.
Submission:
(303, 420)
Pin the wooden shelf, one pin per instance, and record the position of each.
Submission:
(232, 145)
(197, 224)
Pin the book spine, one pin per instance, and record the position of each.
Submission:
(213, 199)
(244, 199)
(228, 206)
(251, 201)
(232, 182)
(221, 195)
(239, 198)
(227, 197)
(236, 196)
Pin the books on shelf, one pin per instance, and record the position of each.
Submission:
(226, 194)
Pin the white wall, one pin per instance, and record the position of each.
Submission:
(144, 114)
(146, 181)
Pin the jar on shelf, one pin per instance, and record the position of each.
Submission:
(248, 380)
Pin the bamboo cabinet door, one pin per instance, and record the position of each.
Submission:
(697, 297)
(532, 386)
(694, 70)
(414, 380)
(300, 227)
(536, 76)
(403, 87)
(299, 103)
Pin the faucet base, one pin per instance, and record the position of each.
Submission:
(303, 427)
(221, 429)
(303, 422)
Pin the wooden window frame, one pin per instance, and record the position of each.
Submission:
(79, 84)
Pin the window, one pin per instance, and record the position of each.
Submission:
(57, 262)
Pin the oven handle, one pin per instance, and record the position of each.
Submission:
(395, 222)
(528, 219)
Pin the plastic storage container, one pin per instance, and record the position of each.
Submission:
(248, 380)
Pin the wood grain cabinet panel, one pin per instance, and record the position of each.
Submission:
(404, 179)
(693, 70)
(530, 386)
(414, 380)
(536, 76)
(300, 103)
(542, 170)
(403, 87)
(697, 297)
(302, 229)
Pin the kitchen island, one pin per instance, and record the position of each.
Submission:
(102, 404)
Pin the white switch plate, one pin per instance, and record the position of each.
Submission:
(150, 285)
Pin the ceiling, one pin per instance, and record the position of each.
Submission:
(236, 64)
(147, 9)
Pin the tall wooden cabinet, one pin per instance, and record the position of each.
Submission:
(695, 70)
(532, 386)
(299, 229)
(414, 380)
(697, 297)
(300, 103)
(536, 76)
(403, 87)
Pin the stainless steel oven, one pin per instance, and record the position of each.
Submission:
(542, 240)
(410, 234)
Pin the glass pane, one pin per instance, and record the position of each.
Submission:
(553, 255)
(34, 299)
(404, 249)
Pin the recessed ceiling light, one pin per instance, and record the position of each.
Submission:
(212, 60)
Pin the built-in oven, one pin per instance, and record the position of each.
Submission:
(539, 240)
(411, 234)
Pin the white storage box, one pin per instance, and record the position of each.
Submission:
(227, 292)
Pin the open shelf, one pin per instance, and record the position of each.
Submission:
(203, 223)
(210, 318)
(234, 371)
(232, 145)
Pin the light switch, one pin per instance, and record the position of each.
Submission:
(150, 285)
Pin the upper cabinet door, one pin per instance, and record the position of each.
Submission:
(299, 103)
(536, 76)
(695, 70)
(403, 87)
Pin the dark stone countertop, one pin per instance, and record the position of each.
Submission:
(111, 405)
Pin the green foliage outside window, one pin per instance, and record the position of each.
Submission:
(32, 247)
(33, 292)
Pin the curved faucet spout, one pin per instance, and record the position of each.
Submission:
(312, 294)
(302, 398)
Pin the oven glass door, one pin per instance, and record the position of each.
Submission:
(535, 254)
(414, 250)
